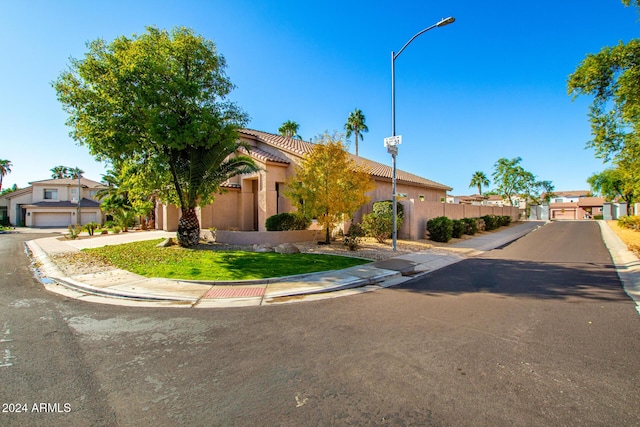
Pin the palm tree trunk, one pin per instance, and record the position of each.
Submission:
(188, 228)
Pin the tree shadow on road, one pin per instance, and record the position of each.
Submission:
(546, 280)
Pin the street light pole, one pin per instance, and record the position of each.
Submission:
(393, 148)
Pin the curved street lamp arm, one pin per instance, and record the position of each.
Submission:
(441, 23)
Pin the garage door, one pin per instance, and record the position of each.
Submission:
(48, 219)
(88, 217)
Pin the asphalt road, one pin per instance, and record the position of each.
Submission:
(537, 333)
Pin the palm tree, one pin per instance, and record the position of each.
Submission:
(199, 173)
(289, 129)
(59, 172)
(478, 180)
(5, 168)
(355, 125)
(74, 173)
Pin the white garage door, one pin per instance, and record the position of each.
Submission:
(48, 219)
(88, 217)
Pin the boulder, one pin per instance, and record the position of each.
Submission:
(263, 247)
(166, 243)
(287, 248)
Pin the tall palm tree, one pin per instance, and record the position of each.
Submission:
(290, 129)
(478, 180)
(5, 168)
(59, 172)
(355, 125)
(74, 173)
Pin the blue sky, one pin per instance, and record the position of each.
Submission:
(491, 85)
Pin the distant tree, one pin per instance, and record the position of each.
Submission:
(59, 172)
(5, 169)
(510, 178)
(74, 173)
(545, 190)
(13, 188)
(613, 183)
(159, 98)
(289, 129)
(328, 185)
(356, 125)
(478, 180)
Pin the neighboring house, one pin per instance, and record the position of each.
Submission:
(475, 199)
(54, 203)
(575, 205)
(250, 199)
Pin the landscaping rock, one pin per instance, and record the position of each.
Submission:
(263, 247)
(287, 248)
(166, 243)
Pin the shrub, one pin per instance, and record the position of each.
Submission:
(116, 229)
(286, 221)
(379, 223)
(91, 227)
(505, 220)
(458, 228)
(385, 207)
(440, 229)
(491, 222)
(74, 231)
(353, 237)
(631, 222)
(470, 226)
(378, 226)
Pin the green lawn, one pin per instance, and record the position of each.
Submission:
(174, 262)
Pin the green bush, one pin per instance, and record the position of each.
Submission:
(505, 220)
(379, 223)
(286, 222)
(470, 226)
(491, 222)
(458, 228)
(440, 229)
(378, 226)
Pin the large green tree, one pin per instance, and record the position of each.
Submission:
(612, 183)
(356, 125)
(512, 180)
(612, 78)
(328, 184)
(5, 168)
(159, 98)
(478, 180)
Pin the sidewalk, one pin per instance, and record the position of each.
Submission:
(120, 287)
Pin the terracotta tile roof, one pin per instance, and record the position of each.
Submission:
(299, 148)
(17, 193)
(85, 182)
(591, 201)
(265, 156)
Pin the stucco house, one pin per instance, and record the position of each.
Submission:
(54, 203)
(250, 199)
(575, 205)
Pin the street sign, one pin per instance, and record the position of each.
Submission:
(393, 140)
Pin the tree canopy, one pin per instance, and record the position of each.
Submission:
(512, 180)
(328, 185)
(159, 99)
(612, 78)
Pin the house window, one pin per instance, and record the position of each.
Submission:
(50, 194)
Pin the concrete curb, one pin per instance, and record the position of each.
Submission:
(626, 262)
(305, 287)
